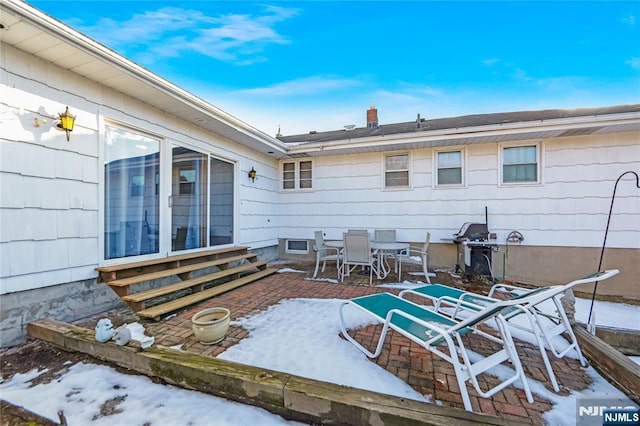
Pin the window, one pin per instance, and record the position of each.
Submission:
(187, 181)
(396, 170)
(297, 175)
(202, 200)
(297, 246)
(137, 186)
(131, 201)
(305, 174)
(520, 164)
(449, 168)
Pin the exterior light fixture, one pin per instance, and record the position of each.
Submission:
(252, 174)
(66, 122)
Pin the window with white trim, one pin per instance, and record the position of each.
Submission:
(449, 167)
(297, 246)
(396, 170)
(521, 164)
(297, 175)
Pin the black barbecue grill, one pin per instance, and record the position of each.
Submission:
(474, 249)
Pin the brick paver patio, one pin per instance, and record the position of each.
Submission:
(426, 373)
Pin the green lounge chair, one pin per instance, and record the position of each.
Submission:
(431, 330)
(454, 302)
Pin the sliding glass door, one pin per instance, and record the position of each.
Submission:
(190, 180)
(221, 202)
(201, 200)
(140, 172)
(132, 199)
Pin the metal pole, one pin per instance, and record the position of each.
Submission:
(604, 243)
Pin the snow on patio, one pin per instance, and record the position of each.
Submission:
(297, 336)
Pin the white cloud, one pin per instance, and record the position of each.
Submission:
(634, 62)
(145, 27)
(304, 86)
(490, 61)
(170, 31)
(629, 20)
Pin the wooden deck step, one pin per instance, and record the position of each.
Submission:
(113, 272)
(124, 282)
(156, 311)
(136, 300)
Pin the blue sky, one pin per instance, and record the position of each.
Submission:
(319, 65)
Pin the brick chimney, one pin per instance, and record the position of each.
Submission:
(372, 118)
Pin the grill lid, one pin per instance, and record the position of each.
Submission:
(472, 231)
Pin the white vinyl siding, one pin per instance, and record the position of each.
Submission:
(52, 191)
(396, 170)
(578, 175)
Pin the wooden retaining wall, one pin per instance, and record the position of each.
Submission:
(292, 397)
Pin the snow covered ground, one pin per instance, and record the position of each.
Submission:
(297, 336)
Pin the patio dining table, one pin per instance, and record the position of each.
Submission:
(378, 248)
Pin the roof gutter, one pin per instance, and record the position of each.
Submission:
(93, 48)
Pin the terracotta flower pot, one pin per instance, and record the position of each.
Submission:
(211, 325)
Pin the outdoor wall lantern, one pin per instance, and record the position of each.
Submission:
(252, 174)
(66, 122)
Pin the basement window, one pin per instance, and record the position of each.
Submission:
(297, 246)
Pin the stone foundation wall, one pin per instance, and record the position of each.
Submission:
(63, 302)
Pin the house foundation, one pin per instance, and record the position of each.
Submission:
(63, 302)
(537, 265)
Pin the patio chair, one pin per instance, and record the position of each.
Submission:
(442, 336)
(415, 257)
(358, 231)
(357, 252)
(453, 302)
(387, 236)
(324, 253)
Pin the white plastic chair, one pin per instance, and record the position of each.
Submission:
(387, 236)
(416, 257)
(357, 252)
(358, 231)
(324, 253)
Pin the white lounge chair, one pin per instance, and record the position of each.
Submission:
(432, 330)
(454, 302)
